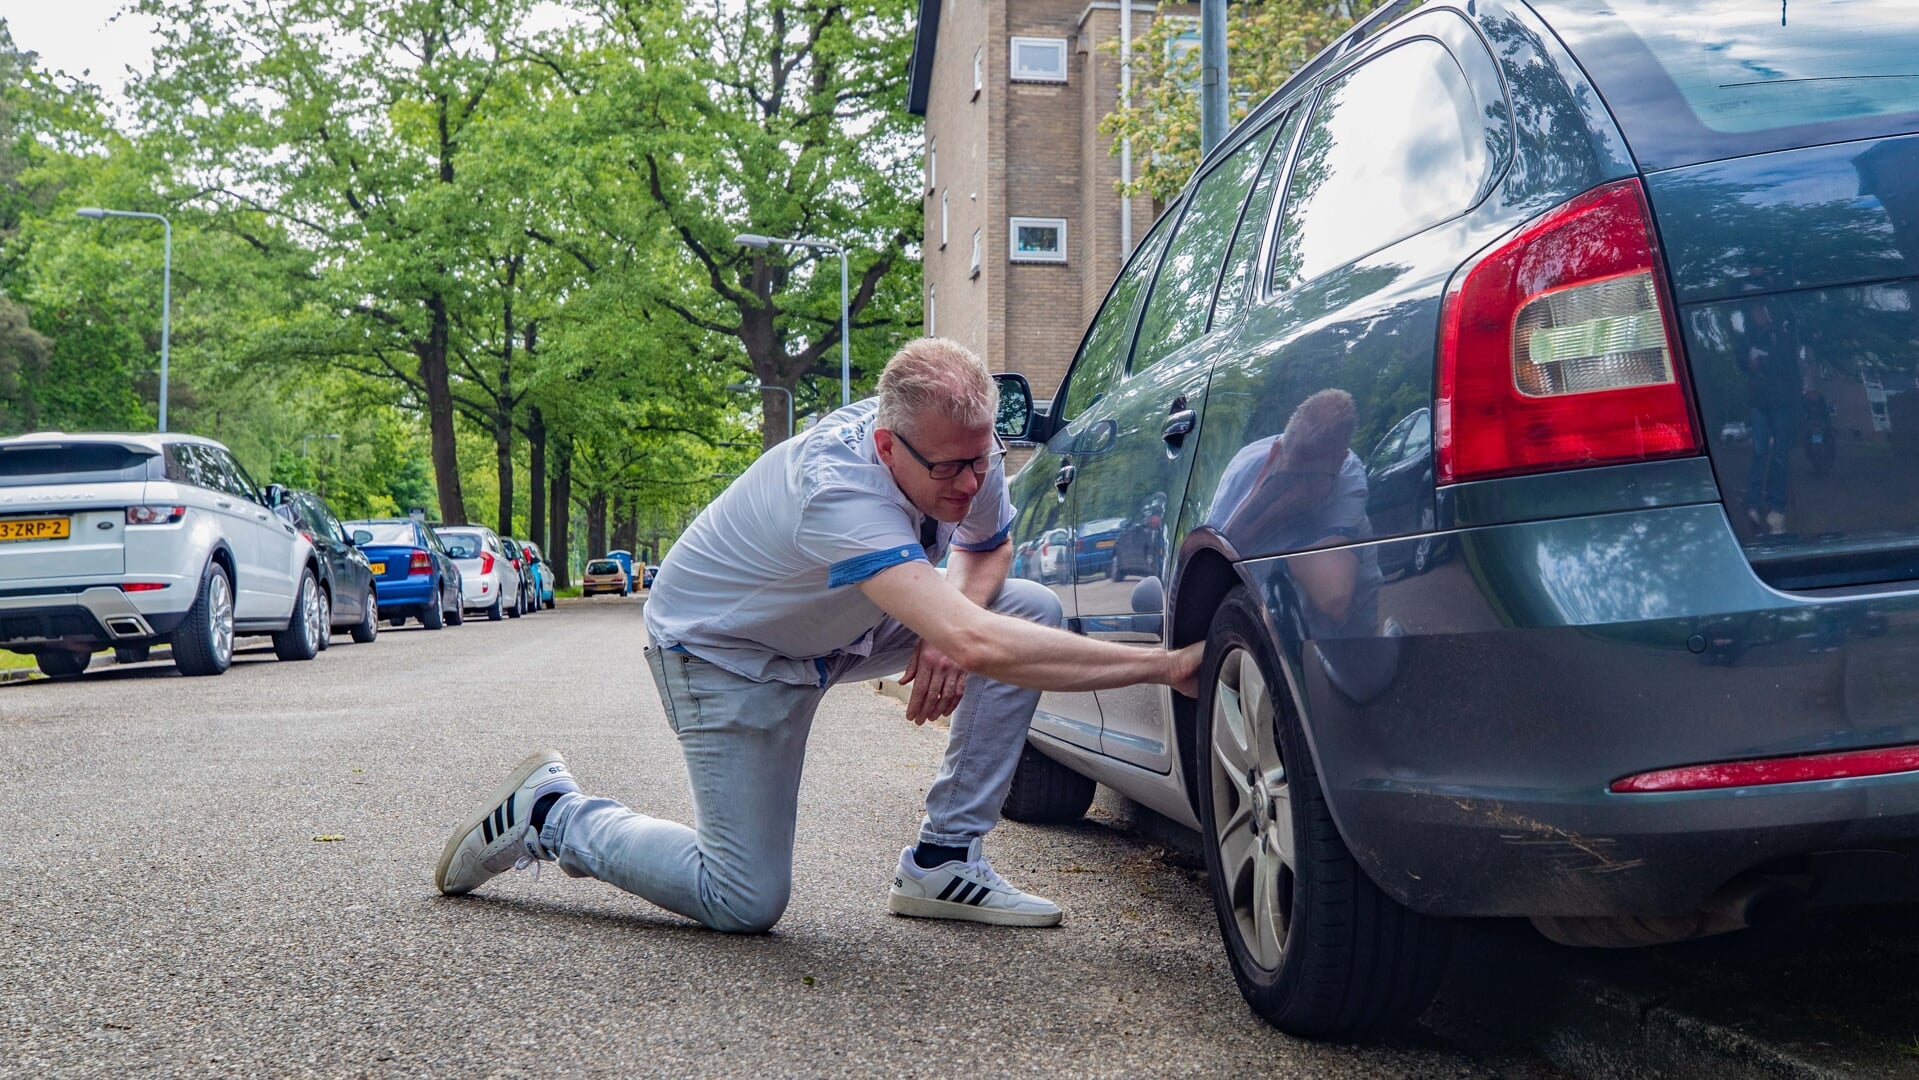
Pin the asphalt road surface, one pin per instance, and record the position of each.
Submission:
(233, 876)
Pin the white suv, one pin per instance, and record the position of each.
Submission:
(138, 540)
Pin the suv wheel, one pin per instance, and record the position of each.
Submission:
(326, 620)
(301, 639)
(493, 613)
(1044, 792)
(1317, 949)
(64, 663)
(203, 644)
(368, 627)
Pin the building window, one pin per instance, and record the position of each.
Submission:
(943, 219)
(932, 164)
(1037, 59)
(979, 70)
(976, 253)
(1038, 239)
(932, 311)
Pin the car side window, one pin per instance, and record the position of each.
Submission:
(237, 481)
(1182, 295)
(195, 467)
(1112, 330)
(1394, 146)
(1242, 261)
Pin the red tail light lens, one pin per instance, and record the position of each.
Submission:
(420, 563)
(1760, 771)
(142, 586)
(1559, 349)
(155, 515)
(486, 562)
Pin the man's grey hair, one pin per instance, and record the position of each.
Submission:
(935, 376)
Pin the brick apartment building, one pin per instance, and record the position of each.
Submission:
(1023, 225)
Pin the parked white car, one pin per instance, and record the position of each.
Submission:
(138, 540)
(489, 580)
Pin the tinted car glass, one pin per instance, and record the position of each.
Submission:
(82, 464)
(1699, 80)
(463, 545)
(603, 567)
(1112, 328)
(1182, 293)
(387, 532)
(1394, 146)
(1252, 226)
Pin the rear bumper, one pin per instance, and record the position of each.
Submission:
(404, 592)
(87, 617)
(1467, 750)
(480, 590)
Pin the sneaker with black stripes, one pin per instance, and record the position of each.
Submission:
(967, 890)
(499, 838)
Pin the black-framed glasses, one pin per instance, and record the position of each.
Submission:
(946, 470)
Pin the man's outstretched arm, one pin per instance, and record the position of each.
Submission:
(1017, 651)
(939, 681)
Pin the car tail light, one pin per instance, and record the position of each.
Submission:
(155, 515)
(420, 563)
(486, 562)
(142, 586)
(1760, 771)
(1559, 349)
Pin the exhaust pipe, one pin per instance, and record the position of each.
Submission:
(1755, 900)
(125, 626)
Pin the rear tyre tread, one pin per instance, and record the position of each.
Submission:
(193, 651)
(1044, 792)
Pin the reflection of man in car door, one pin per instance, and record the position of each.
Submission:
(815, 567)
(1774, 361)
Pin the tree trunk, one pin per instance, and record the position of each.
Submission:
(439, 411)
(562, 503)
(503, 402)
(596, 525)
(536, 478)
(626, 531)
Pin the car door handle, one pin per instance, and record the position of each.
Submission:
(1063, 479)
(223, 504)
(1178, 426)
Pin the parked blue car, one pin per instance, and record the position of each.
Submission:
(415, 576)
(1533, 392)
(542, 573)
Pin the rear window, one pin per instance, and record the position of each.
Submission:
(603, 566)
(384, 532)
(82, 463)
(1700, 80)
(462, 545)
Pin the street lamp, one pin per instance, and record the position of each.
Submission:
(166, 288)
(746, 388)
(761, 243)
(304, 438)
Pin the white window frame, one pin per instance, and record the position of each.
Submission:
(932, 311)
(1039, 76)
(943, 218)
(932, 164)
(979, 71)
(1012, 240)
(979, 244)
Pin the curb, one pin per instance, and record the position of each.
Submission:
(27, 674)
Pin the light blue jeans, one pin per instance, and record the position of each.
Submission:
(745, 744)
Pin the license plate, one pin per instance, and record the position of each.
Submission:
(35, 529)
(1103, 544)
(378, 567)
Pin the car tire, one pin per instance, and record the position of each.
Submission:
(203, 643)
(132, 654)
(301, 639)
(1044, 792)
(368, 628)
(432, 616)
(496, 612)
(515, 611)
(397, 620)
(455, 615)
(63, 663)
(326, 620)
(1317, 949)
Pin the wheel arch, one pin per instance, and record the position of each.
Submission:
(1206, 575)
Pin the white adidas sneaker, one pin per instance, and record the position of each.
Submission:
(967, 890)
(499, 838)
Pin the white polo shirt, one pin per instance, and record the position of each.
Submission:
(764, 583)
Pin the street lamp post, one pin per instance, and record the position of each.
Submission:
(166, 288)
(761, 243)
(745, 388)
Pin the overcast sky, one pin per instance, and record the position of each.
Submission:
(75, 36)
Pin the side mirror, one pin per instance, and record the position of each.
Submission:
(361, 536)
(276, 495)
(1018, 421)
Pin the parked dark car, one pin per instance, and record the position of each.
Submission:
(529, 576)
(413, 573)
(1643, 666)
(348, 599)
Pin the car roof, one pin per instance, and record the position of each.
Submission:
(137, 440)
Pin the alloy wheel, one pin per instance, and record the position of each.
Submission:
(310, 610)
(220, 617)
(1252, 808)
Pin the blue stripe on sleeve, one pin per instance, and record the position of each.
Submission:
(857, 569)
(988, 545)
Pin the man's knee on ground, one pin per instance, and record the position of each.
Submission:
(746, 913)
